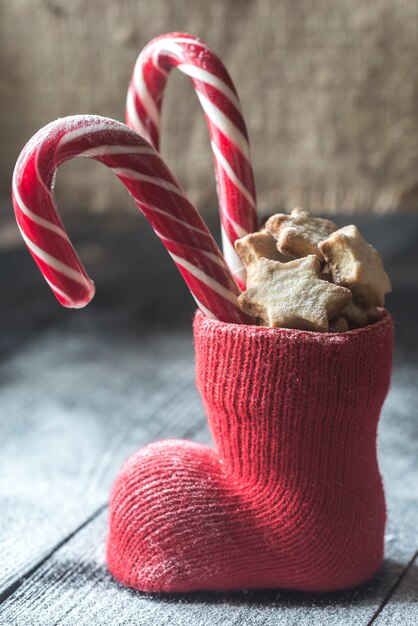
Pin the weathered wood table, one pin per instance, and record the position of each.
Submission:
(81, 390)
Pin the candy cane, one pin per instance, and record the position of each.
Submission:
(227, 129)
(155, 191)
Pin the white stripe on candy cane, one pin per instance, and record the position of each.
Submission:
(109, 150)
(210, 79)
(145, 96)
(160, 182)
(233, 177)
(204, 278)
(133, 116)
(224, 124)
(204, 309)
(155, 209)
(53, 262)
(33, 216)
(93, 129)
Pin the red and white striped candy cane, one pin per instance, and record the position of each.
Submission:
(219, 99)
(155, 191)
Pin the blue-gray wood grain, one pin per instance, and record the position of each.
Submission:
(81, 390)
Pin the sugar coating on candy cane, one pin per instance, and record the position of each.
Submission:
(155, 191)
(108, 150)
(220, 102)
(169, 44)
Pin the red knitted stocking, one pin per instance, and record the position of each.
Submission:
(292, 497)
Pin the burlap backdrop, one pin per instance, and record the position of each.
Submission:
(329, 89)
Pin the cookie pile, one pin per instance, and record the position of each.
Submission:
(303, 272)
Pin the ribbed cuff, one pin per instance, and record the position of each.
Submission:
(298, 391)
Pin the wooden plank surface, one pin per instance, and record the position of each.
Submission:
(402, 607)
(74, 587)
(61, 449)
(80, 390)
(86, 388)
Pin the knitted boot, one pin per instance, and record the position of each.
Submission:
(291, 497)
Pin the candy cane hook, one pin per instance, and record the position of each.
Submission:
(155, 191)
(228, 133)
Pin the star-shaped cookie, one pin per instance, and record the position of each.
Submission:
(354, 314)
(256, 246)
(338, 325)
(355, 264)
(291, 295)
(299, 234)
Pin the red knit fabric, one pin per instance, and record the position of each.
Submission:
(291, 497)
